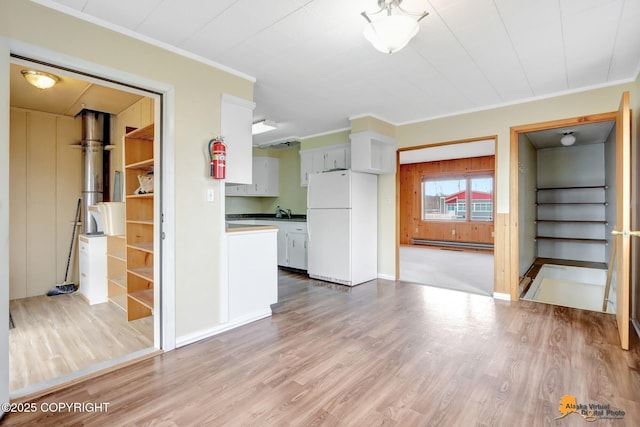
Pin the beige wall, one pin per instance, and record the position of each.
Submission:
(498, 122)
(198, 88)
(45, 178)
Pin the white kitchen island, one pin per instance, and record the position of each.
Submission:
(252, 271)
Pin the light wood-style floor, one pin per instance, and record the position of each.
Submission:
(382, 353)
(54, 336)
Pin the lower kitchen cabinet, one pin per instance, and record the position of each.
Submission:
(297, 250)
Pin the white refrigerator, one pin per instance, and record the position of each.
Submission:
(342, 221)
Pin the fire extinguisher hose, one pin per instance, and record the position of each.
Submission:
(211, 142)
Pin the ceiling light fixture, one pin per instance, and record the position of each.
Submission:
(394, 28)
(40, 79)
(263, 126)
(567, 138)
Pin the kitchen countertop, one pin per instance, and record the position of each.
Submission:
(268, 217)
(231, 228)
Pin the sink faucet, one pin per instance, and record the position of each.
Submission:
(280, 212)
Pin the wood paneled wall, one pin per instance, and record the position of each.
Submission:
(411, 223)
(45, 184)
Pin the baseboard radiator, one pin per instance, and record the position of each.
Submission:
(451, 244)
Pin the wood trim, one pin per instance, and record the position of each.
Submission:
(397, 228)
(515, 131)
(457, 141)
(502, 250)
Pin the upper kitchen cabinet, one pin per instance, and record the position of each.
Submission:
(265, 182)
(323, 159)
(373, 153)
(236, 118)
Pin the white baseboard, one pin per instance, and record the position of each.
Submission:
(206, 333)
(386, 276)
(499, 295)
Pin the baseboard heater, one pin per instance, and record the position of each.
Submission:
(450, 244)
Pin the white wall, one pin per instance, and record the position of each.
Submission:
(610, 182)
(577, 165)
(527, 182)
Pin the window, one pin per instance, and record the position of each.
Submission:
(447, 199)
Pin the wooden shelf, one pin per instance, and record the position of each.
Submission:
(139, 219)
(572, 203)
(143, 246)
(586, 187)
(143, 297)
(145, 165)
(120, 301)
(140, 196)
(570, 221)
(120, 256)
(143, 272)
(572, 239)
(120, 281)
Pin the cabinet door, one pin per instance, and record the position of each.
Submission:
(335, 158)
(297, 250)
(306, 167)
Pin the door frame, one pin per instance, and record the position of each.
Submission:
(165, 327)
(514, 177)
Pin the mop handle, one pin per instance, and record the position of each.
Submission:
(73, 238)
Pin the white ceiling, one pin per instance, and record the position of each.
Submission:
(314, 69)
(592, 133)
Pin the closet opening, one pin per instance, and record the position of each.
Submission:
(567, 210)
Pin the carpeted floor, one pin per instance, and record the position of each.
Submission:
(445, 268)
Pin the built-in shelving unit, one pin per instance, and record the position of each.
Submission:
(572, 214)
(117, 271)
(139, 160)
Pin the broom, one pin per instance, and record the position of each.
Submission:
(67, 287)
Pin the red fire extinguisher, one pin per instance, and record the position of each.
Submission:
(218, 158)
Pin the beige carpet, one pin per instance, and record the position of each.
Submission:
(464, 271)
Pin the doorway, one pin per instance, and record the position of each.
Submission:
(53, 338)
(619, 266)
(567, 211)
(446, 216)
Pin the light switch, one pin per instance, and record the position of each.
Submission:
(210, 195)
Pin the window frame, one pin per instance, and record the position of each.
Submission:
(467, 177)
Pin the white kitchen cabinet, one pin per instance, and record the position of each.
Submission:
(318, 160)
(373, 153)
(236, 117)
(235, 189)
(311, 161)
(93, 268)
(265, 181)
(265, 177)
(335, 158)
(297, 250)
(251, 290)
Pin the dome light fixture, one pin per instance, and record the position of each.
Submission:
(394, 28)
(567, 138)
(40, 79)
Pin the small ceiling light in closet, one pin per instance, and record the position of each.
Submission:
(40, 79)
(567, 138)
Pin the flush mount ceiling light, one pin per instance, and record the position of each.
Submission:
(263, 126)
(567, 138)
(391, 31)
(40, 79)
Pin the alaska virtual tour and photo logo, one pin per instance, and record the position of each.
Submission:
(589, 412)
